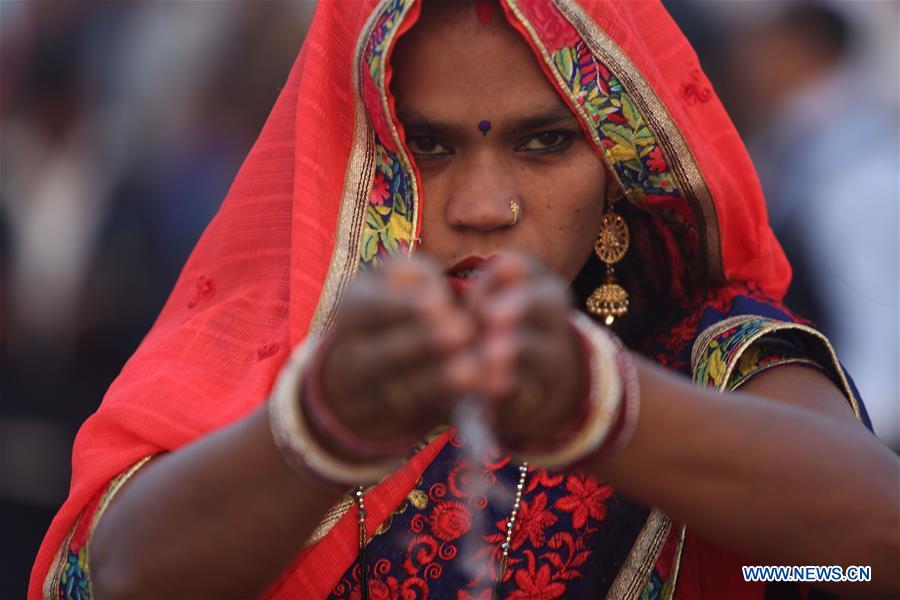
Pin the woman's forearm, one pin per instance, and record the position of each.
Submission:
(772, 479)
(221, 517)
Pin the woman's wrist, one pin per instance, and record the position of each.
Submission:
(606, 414)
(563, 414)
(301, 448)
(334, 434)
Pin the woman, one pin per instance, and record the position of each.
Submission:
(521, 132)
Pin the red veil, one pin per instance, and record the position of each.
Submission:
(299, 220)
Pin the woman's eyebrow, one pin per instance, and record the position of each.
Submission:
(414, 120)
(554, 117)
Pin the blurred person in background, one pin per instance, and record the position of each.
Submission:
(822, 123)
(223, 494)
(122, 126)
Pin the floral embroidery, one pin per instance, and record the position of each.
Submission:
(543, 478)
(770, 351)
(389, 227)
(745, 346)
(377, 47)
(724, 349)
(389, 216)
(450, 520)
(204, 290)
(74, 579)
(696, 90)
(533, 520)
(74, 582)
(559, 514)
(585, 500)
(621, 132)
(381, 191)
(657, 162)
(536, 583)
(673, 348)
(415, 498)
(267, 351)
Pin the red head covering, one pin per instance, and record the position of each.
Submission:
(329, 188)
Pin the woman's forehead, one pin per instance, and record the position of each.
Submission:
(449, 69)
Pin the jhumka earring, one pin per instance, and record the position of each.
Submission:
(610, 300)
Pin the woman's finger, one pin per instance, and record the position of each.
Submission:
(401, 290)
(542, 303)
(499, 273)
(435, 392)
(547, 383)
(402, 347)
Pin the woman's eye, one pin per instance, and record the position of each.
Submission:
(549, 141)
(426, 146)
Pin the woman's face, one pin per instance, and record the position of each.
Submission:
(451, 73)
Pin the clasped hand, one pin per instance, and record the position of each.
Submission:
(405, 350)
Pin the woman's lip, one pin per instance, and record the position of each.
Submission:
(458, 284)
(467, 264)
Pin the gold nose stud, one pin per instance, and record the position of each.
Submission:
(514, 207)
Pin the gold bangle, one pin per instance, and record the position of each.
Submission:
(296, 443)
(604, 402)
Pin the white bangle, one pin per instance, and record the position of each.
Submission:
(296, 443)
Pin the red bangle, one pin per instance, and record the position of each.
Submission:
(329, 428)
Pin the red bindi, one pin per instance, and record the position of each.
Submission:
(485, 10)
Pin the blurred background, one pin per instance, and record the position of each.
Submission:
(123, 123)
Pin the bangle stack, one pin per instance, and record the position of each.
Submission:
(611, 409)
(326, 425)
(298, 414)
(296, 442)
(631, 396)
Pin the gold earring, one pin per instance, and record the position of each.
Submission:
(610, 300)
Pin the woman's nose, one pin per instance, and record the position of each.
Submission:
(482, 199)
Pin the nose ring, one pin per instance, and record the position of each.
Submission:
(514, 207)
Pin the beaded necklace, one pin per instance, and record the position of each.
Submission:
(505, 547)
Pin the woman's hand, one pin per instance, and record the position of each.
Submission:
(530, 363)
(387, 370)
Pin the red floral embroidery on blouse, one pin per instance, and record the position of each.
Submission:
(585, 499)
(450, 520)
(533, 519)
(558, 515)
(543, 478)
(536, 583)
